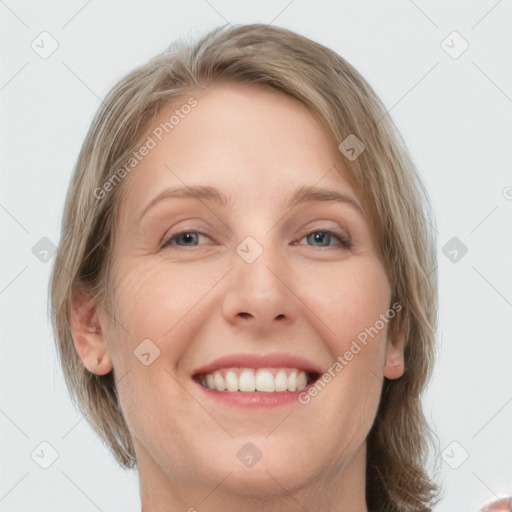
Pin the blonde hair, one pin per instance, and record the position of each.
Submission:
(398, 443)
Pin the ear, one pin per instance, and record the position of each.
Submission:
(394, 366)
(88, 338)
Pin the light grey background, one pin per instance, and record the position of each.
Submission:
(455, 115)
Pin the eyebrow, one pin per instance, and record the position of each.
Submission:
(303, 194)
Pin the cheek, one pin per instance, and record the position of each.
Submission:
(349, 303)
(170, 304)
(348, 300)
(158, 301)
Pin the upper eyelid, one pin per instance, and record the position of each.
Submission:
(331, 226)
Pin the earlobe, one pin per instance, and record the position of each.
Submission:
(394, 366)
(87, 334)
(102, 366)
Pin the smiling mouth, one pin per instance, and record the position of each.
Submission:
(248, 380)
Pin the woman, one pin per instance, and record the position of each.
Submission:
(245, 292)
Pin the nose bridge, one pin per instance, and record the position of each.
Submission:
(258, 286)
(260, 265)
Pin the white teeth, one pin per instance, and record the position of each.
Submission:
(218, 381)
(292, 382)
(247, 380)
(281, 381)
(301, 380)
(231, 381)
(264, 381)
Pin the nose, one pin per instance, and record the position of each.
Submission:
(261, 293)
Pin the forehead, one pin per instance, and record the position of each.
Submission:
(253, 142)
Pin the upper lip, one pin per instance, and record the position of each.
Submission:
(275, 360)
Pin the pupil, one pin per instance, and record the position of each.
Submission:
(319, 236)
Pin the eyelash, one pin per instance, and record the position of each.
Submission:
(344, 242)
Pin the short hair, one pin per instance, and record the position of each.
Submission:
(384, 174)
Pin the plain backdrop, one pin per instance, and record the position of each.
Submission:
(455, 114)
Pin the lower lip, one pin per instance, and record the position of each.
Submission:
(254, 398)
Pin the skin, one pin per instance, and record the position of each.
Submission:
(197, 300)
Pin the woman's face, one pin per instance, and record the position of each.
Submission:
(205, 288)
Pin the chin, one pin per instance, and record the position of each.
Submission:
(266, 481)
(276, 471)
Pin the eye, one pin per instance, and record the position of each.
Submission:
(189, 239)
(325, 236)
